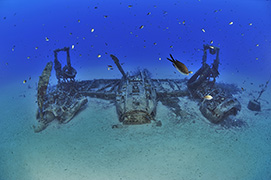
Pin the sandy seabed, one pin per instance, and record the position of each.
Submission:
(88, 148)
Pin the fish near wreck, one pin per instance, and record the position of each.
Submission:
(179, 66)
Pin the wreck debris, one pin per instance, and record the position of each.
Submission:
(42, 95)
(136, 99)
(135, 95)
(202, 83)
(255, 105)
(43, 85)
(116, 60)
(61, 103)
(220, 107)
(68, 73)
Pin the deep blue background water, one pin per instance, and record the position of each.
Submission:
(171, 27)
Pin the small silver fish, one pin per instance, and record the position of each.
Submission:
(208, 97)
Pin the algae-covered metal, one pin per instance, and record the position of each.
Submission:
(202, 83)
(135, 94)
(136, 99)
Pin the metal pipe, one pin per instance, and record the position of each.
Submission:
(116, 60)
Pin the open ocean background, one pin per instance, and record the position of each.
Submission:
(171, 27)
(142, 34)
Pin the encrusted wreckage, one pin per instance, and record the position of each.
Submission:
(202, 83)
(61, 103)
(135, 95)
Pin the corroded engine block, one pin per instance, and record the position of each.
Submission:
(222, 105)
(136, 99)
(202, 83)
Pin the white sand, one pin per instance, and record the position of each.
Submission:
(88, 148)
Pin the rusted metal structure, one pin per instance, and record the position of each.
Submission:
(202, 83)
(135, 95)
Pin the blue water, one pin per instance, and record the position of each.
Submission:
(175, 27)
(140, 33)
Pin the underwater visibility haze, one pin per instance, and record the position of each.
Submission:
(175, 89)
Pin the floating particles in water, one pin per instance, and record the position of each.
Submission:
(92, 30)
(203, 30)
(141, 27)
(215, 11)
(129, 6)
(99, 56)
(46, 39)
(109, 67)
(231, 23)
(72, 46)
